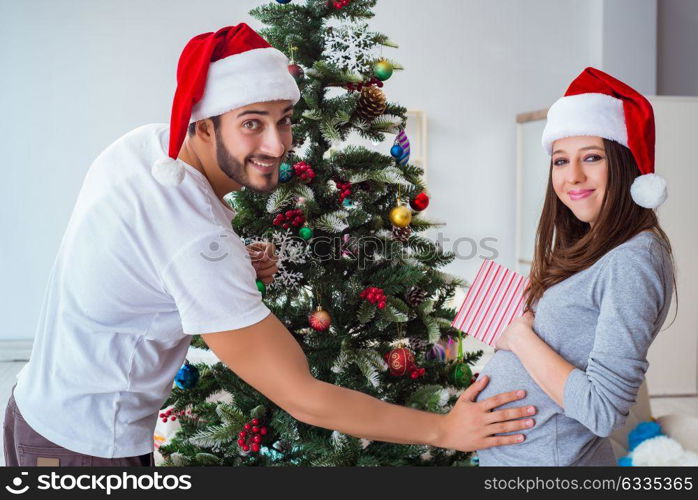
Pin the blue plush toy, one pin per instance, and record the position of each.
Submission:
(648, 445)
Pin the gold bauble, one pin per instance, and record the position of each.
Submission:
(401, 216)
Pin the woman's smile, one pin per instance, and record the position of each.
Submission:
(579, 194)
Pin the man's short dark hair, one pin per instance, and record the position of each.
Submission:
(216, 122)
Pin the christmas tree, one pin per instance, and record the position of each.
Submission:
(357, 286)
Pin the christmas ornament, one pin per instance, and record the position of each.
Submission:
(348, 247)
(296, 72)
(400, 216)
(344, 190)
(285, 172)
(353, 87)
(320, 319)
(187, 376)
(450, 347)
(289, 250)
(304, 171)
(372, 103)
(402, 234)
(415, 296)
(350, 46)
(420, 202)
(418, 343)
(283, 1)
(347, 203)
(436, 353)
(340, 4)
(261, 287)
(400, 361)
(383, 70)
(172, 414)
(251, 436)
(460, 374)
(306, 233)
(396, 151)
(403, 143)
(289, 218)
(374, 295)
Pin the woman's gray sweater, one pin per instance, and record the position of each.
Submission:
(602, 320)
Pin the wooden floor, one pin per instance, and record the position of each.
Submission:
(660, 405)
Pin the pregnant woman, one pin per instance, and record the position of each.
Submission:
(601, 281)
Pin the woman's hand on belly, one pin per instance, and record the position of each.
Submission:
(471, 425)
(545, 366)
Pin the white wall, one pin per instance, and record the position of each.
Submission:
(677, 39)
(79, 73)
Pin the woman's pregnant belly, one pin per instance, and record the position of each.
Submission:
(554, 439)
(506, 373)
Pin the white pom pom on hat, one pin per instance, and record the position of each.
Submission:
(217, 72)
(168, 171)
(649, 190)
(597, 104)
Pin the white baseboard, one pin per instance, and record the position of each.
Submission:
(15, 350)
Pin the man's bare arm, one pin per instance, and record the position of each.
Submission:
(266, 356)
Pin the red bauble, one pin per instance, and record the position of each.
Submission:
(320, 320)
(400, 361)
(296, 72)
(420, 202)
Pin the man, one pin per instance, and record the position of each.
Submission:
(142, 266)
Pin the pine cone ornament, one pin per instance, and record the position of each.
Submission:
(372, 103)
(415, 296)
(418, 344)
(402, 234)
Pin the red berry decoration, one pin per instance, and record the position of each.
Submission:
(339, 4)
(420, 202)
(374, 295)
(290, 218)
(400, 361)
(320, 320)
(415, 372)
(304, 171)
(251, 437)
(354, 87)
(344, 188)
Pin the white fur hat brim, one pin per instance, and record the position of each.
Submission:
(585, 114)
(258, 75)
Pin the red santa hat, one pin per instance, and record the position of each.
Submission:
(599, 105)
(217, 72)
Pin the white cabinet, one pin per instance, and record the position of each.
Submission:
(673, 356)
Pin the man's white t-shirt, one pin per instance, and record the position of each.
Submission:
(141, 268)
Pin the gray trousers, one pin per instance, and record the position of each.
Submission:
(24, 446)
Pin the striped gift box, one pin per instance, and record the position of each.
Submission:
(493, 301)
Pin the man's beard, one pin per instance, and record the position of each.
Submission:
(237, 171)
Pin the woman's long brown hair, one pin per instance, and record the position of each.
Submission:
(565, 245)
